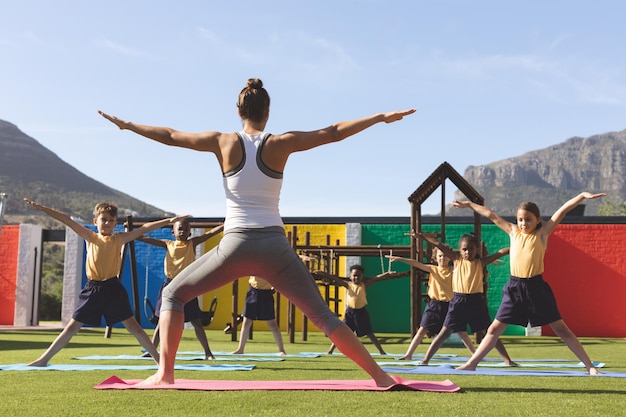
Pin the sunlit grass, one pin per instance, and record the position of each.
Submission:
(67, 393)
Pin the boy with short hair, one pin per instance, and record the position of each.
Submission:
(103, 295)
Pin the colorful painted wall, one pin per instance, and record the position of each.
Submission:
(584, 266)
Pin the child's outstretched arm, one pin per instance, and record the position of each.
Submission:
(447, 251)
(196, 240)
(80, 230)
(148, 227)
(327, 277)
(152, 241)
(385, 276)
(489, 259)
(412, 262)
(568, 206)
(485, 212)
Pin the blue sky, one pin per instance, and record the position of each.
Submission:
(491, 80)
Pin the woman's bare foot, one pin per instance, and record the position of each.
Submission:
(405, 358)
(237, 352)
(156, 379)
(466, 367)
(511, 363)
(43, 363)
(385, 381)
(282, 354)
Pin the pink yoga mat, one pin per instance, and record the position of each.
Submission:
(114, 382)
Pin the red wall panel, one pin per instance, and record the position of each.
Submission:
(585, 267)
(9, 246)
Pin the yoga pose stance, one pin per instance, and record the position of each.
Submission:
(468, 305)
(527, 298)
(439, 294)
(356, 316)
(254, 242)
(103, 295)
(179, 254)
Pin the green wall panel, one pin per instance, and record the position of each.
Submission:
(389, 301)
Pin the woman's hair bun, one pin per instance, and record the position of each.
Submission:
(255, 83)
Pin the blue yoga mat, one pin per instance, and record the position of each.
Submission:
(388, 355)
(255, 355)
(499, 364)
(91, 367)
(449, 370)
(233, 358)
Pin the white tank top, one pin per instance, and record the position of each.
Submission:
(252, 189)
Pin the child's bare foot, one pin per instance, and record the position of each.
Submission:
(594, 371)
(156, 379)
(39, 362)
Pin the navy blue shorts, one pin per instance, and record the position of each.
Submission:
(259, 304)
(358, 320)
(467, 309)
(528, 300)
(434, 315)
(191, 309)
(103, 298)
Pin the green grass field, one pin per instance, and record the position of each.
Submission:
(70, 393)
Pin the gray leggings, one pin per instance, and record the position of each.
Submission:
(265, 253)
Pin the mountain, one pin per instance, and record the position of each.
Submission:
(28, 169)
(555, 174)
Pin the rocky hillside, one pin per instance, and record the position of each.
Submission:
(27, 169)
(552, 175)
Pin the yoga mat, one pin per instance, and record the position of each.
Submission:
(332, 385)
(90, 367)
(449, 370)
(500, 364)
(437, 355)
(233, 358)
(273, 354)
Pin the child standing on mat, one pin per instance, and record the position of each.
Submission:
(259, 306)
(103, 295)
(179, 254)
(527, 298)
(252, 162)
(468, 305)
(357, 317)
(439, 294)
